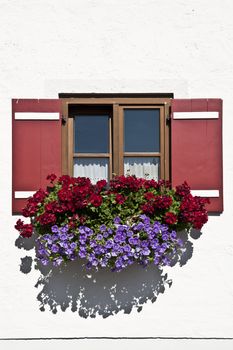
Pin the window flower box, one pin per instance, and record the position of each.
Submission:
(111, 224)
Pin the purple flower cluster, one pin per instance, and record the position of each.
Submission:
(116, 247)
(143, 242)
(57, 247)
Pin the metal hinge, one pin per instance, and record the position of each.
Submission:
(63, 120)
(168, 117)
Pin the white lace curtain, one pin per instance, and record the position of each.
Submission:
(145, 167)
(94, 168)
(97, 168)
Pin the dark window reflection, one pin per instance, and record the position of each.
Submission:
(91, 134)
(141, 130)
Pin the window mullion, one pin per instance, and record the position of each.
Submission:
(116, 136)
(121, 141)
(70, 145)
(166, 141)
(110, 165)
(162, 127)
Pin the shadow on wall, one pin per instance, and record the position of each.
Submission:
(105, 293)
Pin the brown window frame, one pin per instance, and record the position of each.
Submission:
(117, 103)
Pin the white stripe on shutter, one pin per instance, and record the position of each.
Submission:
(195, 115)
(36, 116)
(205, 193)
(24, 194)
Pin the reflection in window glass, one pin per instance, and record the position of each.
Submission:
(141, 130)
(91, 134)
(94, 168)
(145, 167)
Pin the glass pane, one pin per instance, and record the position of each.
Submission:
(94, 168)
(145, 167)
(141, 130)
(91, 134)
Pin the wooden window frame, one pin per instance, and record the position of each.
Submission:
(117, 103)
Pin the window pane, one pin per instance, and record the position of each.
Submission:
(94, 168)
(141, 130)
(145, 167)
(91, 134)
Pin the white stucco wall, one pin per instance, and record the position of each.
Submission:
(185, 47)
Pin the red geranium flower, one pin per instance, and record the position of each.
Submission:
(183, 190)
(149, 196)
(100, 185)
(46, 218)
(96, 200)
(148, 208)
(120, 199)
(170, 218)
(25, 230)
(51, 177)
(162, 202)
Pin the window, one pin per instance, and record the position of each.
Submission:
(103, 136)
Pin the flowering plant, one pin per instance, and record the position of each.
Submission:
(111, 224)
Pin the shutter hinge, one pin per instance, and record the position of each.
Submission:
(168, 118)
(63, 120)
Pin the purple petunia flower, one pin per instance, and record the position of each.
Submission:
(82, 254)
(44, 261)
(103, 228)
(109, 244)
(146, 251)
(99, 237)
(54, 248)
(64, 229)
(73, 245)
(106, 234)
(173, 235)
(63, 237)
(165, 236)
(57, 261)
(157, 260)
(117, 220)
(55, 229)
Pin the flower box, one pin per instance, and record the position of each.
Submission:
(111, 224)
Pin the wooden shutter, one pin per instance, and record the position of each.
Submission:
(36, 147)
(196, 148)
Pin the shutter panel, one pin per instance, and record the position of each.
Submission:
(196, 148)
(36, 146)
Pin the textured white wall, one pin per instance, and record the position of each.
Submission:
(185, 47)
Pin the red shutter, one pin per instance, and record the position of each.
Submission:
(196, 148)
(36, 146)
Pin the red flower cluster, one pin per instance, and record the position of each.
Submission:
(100, 185)
(170, 218)
(51, 177)
(24, 229)
(156, 202)
(183, 190)
(193, 211)
(46, 218)
(120, 199)
(162, 202)
(96, 200)
(33, 202)
(130, 183)
(73, 195)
